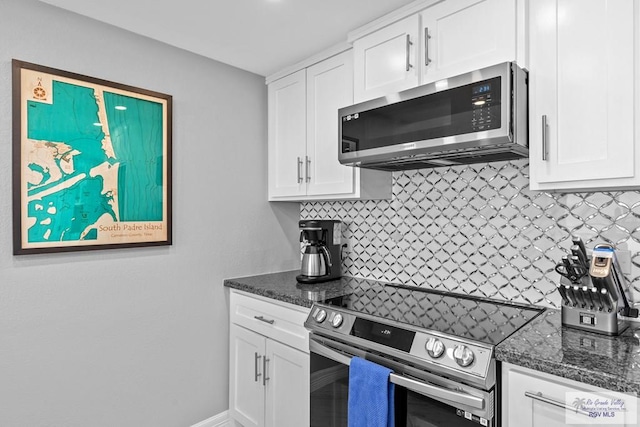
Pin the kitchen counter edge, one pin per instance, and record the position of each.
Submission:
(544, 345)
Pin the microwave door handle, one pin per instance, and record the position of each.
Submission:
(425, 389)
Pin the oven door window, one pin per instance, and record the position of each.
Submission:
(329, 392)
(330, 397)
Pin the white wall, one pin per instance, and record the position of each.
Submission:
(137, 337)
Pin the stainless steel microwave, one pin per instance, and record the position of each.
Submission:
(475, 117)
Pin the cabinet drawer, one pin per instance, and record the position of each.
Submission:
(274, 319)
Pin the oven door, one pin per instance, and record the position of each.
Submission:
(421, 398)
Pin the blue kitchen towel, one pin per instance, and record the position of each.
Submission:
(370, 395)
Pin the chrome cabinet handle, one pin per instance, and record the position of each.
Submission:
(262, 319)
(308, 168)
(427, 60)
(408, 52)
(264, 370)
(545, 145)
(256, 367)
(299, 170)
(539, 397)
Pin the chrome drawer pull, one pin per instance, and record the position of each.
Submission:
(539, 397)
(262, 319)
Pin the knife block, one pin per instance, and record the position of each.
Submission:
(587, 318)
(601, 322)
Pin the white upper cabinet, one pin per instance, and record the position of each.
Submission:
(287, 135)
(303, 136)
(465, 35)
(329, 87)
(584, 94)
(385, 61)
(446, 39)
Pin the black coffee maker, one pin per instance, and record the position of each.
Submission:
(321, 258)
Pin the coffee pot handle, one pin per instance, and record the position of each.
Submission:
(328, 255)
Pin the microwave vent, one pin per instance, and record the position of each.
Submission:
(455, 158)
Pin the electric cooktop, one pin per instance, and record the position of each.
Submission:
(474, 318)
(451, 334)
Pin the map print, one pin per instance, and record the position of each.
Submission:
(93, 164)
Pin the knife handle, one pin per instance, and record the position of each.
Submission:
(577, 254)
(563, 294)
(577, 241)
(577, 291)
(588, 298)
(595, 297)
(606, 298)
(570, 295)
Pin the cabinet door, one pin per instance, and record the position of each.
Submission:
(287, 135)
(288, 392)
(385, 61)
(582, 79)
(533, 399)
(465, 35)
(246, 389)
(329, 87)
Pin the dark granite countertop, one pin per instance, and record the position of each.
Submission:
(284, 287)
(545, 345)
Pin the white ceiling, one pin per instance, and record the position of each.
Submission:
(261, 36)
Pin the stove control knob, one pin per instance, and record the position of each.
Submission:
(337, 320)
(434, 347)
(463, 355)
(320, 316)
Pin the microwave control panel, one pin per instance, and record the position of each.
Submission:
(481, 103)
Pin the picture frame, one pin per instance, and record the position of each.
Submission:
(91, 163)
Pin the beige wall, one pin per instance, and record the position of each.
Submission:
(138, 337)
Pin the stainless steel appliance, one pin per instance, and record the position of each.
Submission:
(439, 345)
(321, 257)
(475, 117)
(593, 290)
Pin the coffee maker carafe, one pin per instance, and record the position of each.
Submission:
(321, 259)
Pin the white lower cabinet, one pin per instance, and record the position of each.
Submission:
(535, 399)
(268, 363)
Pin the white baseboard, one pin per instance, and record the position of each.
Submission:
(220, 420)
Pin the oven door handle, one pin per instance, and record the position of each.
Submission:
(425, 389)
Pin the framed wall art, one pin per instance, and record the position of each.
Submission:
(91, 163)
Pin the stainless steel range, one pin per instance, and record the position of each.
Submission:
(439, 345)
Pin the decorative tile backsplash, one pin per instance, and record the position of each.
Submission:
(479, 230)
